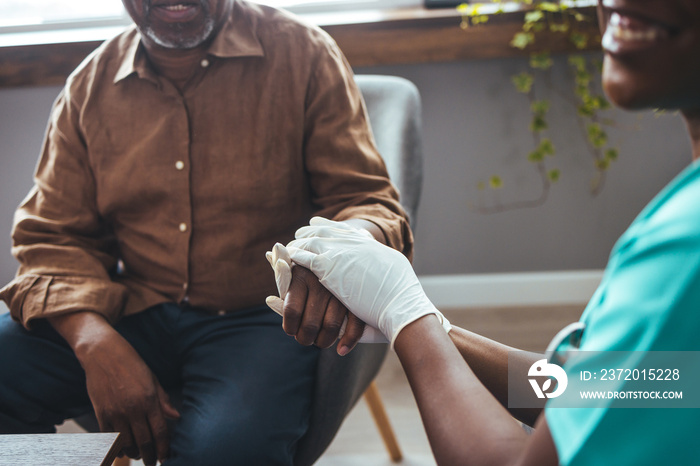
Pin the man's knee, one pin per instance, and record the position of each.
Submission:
(231, 445)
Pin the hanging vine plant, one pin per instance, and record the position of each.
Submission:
(586, 97)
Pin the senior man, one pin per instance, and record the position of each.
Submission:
(175, 156)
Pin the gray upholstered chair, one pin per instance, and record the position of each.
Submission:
(394, 109)
(394, 106)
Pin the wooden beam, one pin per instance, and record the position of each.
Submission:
(41, 65)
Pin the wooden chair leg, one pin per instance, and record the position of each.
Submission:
(123, 461)
(376, 407)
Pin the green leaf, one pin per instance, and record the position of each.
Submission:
(540, 107)
(536, 156)
(495, 182)
(546, 147)
(553, 175)
(596, 136)
(602, 102)
(549, 6)
(474, 9)
(563, 27)
(579, 40)
(594, 130)
(602, 164)
(522, 40)
(523, 82)
(585, 111)
(581, 91)
(578, 62)
(583, 77)
(611, 154)
(534, 27)
(541, 61)
(538, 124)
(591, 102)
(533, 16)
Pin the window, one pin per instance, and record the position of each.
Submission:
(42, 15)
(48, 14)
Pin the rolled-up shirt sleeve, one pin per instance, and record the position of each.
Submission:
(348, 176)
(65, 249)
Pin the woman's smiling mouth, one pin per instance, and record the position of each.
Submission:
(629, 31)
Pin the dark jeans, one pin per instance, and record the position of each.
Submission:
(246, 386)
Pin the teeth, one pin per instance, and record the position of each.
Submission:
(622, 30)
(178, 7)
(627, 34)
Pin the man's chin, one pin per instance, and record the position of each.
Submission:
(179, 41)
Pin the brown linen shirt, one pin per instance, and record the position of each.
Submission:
(146, 195)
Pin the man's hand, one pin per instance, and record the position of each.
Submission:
(373, 280)
(125, 394)
(314, 316)
(310, 312)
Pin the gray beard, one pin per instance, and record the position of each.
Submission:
(182, 42)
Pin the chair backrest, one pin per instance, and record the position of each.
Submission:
(394, 109)
(393, 105)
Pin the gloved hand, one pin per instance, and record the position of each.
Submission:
(282, 265)
(374, 281)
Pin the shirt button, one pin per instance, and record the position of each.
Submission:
(204, 63)
(183, 227)
(179, 164)
(221, 312)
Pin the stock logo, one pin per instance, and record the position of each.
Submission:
(542, 368)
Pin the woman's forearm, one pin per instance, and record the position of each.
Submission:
(489, 361)
(464, 422)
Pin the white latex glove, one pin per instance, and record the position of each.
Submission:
(374, 281)
(282, 265)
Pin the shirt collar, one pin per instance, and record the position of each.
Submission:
(237, 38)
(133, 59)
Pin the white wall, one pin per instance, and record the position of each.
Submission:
(474, 125)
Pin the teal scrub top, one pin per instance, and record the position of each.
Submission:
(648, 300)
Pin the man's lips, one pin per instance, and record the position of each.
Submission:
(175, 12)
